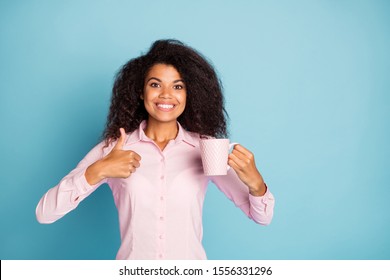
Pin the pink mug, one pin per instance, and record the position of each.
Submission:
(214, 153)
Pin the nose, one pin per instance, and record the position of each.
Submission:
(166, 93)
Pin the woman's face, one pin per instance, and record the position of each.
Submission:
(164, 93)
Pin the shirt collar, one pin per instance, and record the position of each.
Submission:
(182, 135)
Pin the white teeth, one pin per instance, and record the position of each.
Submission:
(165, 106)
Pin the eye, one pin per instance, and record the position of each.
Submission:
(178, 87)
(155, 85)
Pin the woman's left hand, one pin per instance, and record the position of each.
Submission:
(243, 162)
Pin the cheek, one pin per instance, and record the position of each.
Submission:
(149, 96)
(147, 100)
(182, 98)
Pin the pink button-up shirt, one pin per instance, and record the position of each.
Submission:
(160, 205)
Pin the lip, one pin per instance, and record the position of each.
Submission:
(165, 107)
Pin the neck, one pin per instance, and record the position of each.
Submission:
(161, 132)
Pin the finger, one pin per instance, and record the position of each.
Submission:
(243, 150)
(135, 163)
(240, 155)
(237, 161)
(233, 165)
(132, 169)
(135, 156)
(247, 159)
(121, 140)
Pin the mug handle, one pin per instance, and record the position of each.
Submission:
(231, 145)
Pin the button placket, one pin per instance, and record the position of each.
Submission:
(161, 210)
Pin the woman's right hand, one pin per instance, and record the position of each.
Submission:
(117, 164)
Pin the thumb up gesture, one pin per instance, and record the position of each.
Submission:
(117, 164)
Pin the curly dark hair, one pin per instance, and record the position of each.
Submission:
(204, 112)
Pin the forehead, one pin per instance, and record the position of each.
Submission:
(165, 71)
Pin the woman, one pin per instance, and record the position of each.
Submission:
(163, 102)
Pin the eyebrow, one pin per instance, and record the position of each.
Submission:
(154, 78)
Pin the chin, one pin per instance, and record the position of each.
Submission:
(162, 120)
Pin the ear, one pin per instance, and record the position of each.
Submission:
(141, 96)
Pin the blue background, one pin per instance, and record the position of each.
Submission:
(307, 90)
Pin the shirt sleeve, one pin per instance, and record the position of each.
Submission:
(258, 208)
(70, 191)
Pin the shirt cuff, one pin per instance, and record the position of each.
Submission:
(82, 186)
(260, 200)
(85, 186)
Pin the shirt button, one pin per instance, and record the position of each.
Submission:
(161, 236)
(161, 218)
(162, 177)
(160, 256)
(162, 160)
(161, 198)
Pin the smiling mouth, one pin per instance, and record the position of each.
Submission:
(165, 106)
